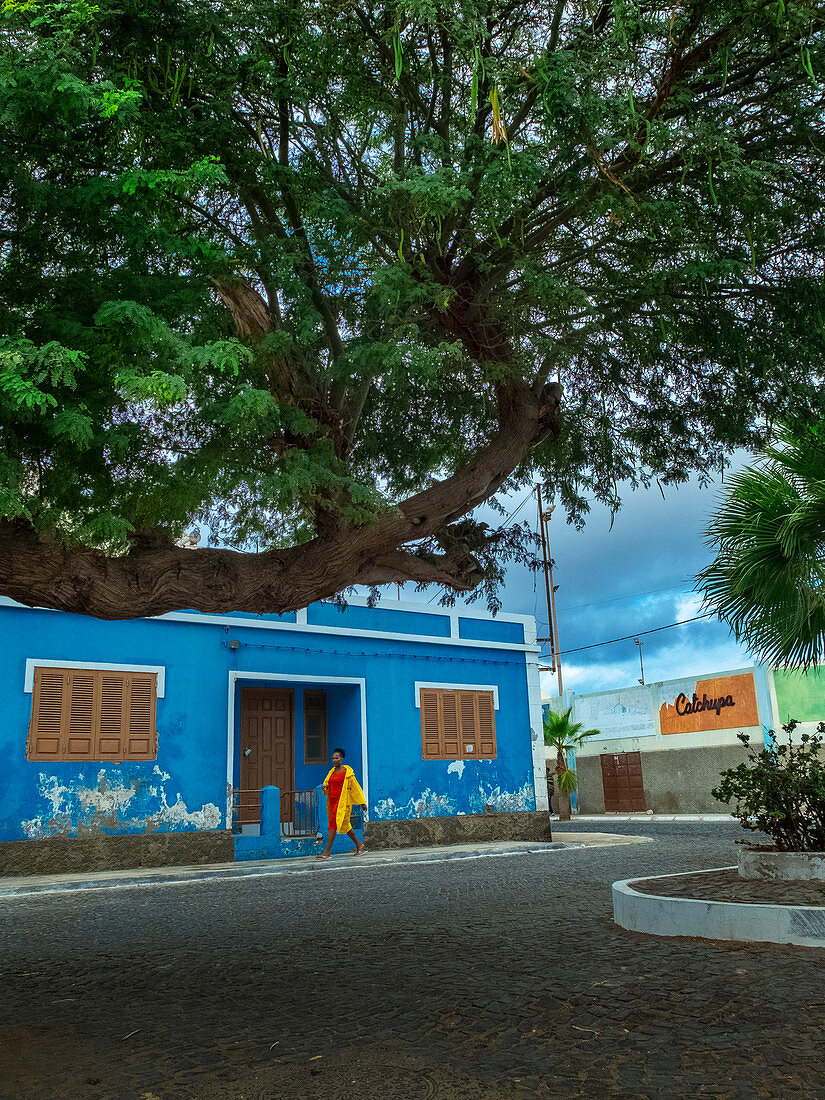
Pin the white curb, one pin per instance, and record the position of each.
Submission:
(803, 925)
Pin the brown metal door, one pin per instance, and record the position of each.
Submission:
(624, 790)
(267, 744)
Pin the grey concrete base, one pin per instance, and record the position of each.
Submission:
(764, 863)
(29, 886)
(56, 855)
(425, 831)
(179, 876)
(716, 920)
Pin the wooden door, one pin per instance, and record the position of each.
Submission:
(267, 745)
(622, 781)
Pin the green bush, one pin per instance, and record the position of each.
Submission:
(780, 790)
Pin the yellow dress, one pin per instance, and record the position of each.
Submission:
(351, 795)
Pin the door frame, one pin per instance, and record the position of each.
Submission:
(285, 679)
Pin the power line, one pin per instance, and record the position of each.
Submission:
(618, 599)
(639, 633)
(516, 511)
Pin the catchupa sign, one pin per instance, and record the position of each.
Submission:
(726, 702)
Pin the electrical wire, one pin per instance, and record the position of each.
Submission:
(516, 511)
(635, 634)
(618, 599)
(406, 655)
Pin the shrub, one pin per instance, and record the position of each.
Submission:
(780, 790)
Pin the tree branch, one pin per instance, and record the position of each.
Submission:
(155, 577)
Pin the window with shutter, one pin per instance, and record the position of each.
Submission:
(315, 727)
(457, 725)
(92, 714)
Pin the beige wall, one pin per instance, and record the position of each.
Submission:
(678, 769)
(629, 719)
(675, 782)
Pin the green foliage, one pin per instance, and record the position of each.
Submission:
(565, 781)
(562, 733)
(768, 578)
(264, 264)
(781, 791)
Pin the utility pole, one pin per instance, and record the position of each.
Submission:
(638, 642)
(552, 620)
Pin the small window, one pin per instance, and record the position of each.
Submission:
(315, 727)
(92, 714)
(457, 725)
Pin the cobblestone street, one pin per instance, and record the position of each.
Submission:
(492, 978)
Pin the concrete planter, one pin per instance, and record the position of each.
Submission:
(768, 863)
(659, 915)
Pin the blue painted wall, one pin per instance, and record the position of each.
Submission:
(356, 617)
(490, 630)
(186, 787)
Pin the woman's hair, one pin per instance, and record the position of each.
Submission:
(341, 751)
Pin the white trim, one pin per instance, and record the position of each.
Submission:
(302, 627)
(342, 631)
(235, 675)
(419, 684)
(428, 609)
(37, 662)
(536, 713)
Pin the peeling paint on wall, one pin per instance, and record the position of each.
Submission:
(457, 766)
(427, 804)
(431, 804)
(502, 801)
(121, 800)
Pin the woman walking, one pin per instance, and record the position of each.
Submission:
(343, 792)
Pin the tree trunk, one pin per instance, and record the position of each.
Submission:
(155, 577)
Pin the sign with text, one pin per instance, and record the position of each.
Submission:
(723, 703)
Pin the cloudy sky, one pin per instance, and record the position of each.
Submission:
(635, 577)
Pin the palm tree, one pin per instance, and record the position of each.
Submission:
(562, 733)
(768, 578)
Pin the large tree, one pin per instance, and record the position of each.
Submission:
(328, 274)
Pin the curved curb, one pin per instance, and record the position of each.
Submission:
(803, 925)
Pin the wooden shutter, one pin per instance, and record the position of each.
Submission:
(78, 738)
(91, 714)
(139, 693)
(457, 725)
(486, 725)
(451, 733)
(315, 727)
(431, 725)
(48, 695)
(469, 724)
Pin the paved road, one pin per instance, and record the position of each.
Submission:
(490, 978)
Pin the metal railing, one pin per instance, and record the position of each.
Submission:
(246, 808)
(299, 813)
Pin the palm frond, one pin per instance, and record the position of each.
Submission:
(767, 580)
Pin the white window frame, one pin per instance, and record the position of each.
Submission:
(107, 666)
(419, 684)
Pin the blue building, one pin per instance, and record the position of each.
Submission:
(176, 724)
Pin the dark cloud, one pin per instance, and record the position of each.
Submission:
(622, 580)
